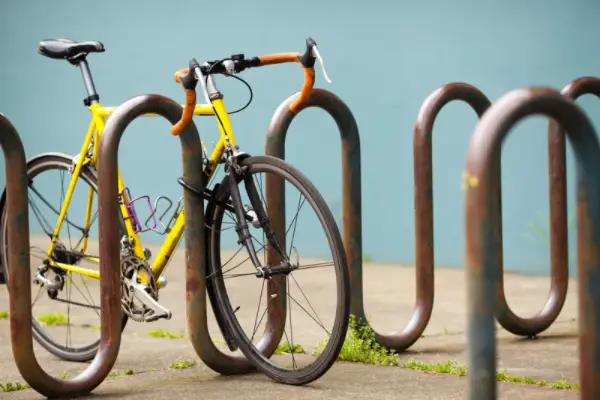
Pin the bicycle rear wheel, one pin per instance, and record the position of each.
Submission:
(65, 320)
(232, 276)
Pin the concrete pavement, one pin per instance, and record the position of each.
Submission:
(389, 298)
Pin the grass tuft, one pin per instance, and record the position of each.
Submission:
(52, 318)
(360, 346)
(163, 333)
(13, 386)
(286, 348)
(182, 364)
(123, 373)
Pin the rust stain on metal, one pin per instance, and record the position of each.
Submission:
(422, 150)
(352, 201)
(483, 223)
(20, 287)
(559, 248)
(351, 180)
(423, 203)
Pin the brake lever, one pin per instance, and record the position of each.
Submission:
(315, 53)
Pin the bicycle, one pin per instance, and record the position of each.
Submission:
(142, 281)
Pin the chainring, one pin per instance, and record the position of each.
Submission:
(131, 266)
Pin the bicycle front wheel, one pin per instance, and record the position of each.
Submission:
(298, 344)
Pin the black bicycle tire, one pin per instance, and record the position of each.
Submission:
(326, 359)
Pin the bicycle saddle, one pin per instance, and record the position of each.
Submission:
(66, 48)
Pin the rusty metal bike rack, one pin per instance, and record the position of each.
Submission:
(482, 220)
(424, 246)
(195, 245)
(19, 287)
(557, 156)
(559, 249)
(423, 203)
(423, 165)
(352, 199)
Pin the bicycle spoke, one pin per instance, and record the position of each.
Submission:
(287, 339)
(263, 203)
(230, 216)
(37, 297)
(295, 218)
(239, 275)
(305, 298)
(69, 290)
(292, 348)
(262, 244)
(42, 253)
(221, 230)
(90, 300)
(41, 220)
(92, 220)
(243, 261)
(262, 196)
(317, 320)
(34, 190)
(228, 261)
(256, 322)
(318, 265)
(295, 223)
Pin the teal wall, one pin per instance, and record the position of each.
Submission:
(384, 59)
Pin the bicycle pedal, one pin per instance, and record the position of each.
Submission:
(157, 310)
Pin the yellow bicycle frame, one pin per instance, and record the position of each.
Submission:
(99, 115)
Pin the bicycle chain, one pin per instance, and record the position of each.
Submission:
(77, 303)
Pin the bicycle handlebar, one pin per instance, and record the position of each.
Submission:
(189, 86)
(189, 77)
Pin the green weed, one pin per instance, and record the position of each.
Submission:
(163, 333)
(286, 348)
(182, 364)
(123, 373)
(13, 386)
(360, 346)
(52, 318)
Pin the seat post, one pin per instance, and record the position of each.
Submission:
(93, 97)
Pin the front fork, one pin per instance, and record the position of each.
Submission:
(237, 173)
